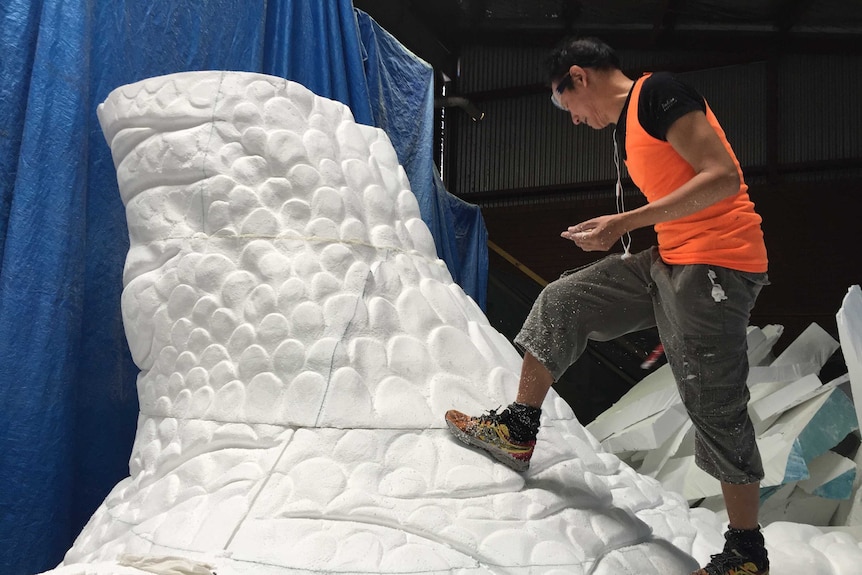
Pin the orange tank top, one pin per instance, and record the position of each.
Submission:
(725, 234)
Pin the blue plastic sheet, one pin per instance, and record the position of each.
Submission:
(68, 402)
(457, 227)
(321, 50)
(829, 426)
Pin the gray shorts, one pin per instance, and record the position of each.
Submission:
(702, 314)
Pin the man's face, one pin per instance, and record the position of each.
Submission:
(571, 94)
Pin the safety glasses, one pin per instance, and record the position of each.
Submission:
(565, 83)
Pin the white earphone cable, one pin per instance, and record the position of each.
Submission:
(626, 241)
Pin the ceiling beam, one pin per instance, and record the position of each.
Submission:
(789, 13)
(684, 38)
(664, 22)
(474, 12)
(570, 15)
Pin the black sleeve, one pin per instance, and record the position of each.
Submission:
(664, 99)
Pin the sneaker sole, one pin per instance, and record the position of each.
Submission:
(498, 454)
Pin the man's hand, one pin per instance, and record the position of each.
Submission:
(597, 234)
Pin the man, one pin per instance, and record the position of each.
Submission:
(697, 286)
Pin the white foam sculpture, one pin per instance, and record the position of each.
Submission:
(299, 342)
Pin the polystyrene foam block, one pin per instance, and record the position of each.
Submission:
(784, 397)
(849, 320)
(299, 342)
(813, 346)
(653, 394)
(831, 476)
(649, 433)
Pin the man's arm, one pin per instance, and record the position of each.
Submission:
(716, 178)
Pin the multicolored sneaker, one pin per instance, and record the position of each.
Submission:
(491, 433)
(731, 562)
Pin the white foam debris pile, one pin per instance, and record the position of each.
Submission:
(799, 419)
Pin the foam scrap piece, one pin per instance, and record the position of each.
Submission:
(167, 565)
(795, 505)
(813, 347)
(831, 476)
(649, 433)
(827, 428)
(656, 458)
(805, 432)
(849, 320)
(653, 394)
(761, 342)
(762, 426)
(783, 398)
(780, 373)
(796, 438)
(680, 474)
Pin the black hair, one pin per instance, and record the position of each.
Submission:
(584, 52)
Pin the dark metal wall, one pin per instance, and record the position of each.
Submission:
(797, 115)
(820, 108)
(524, 142)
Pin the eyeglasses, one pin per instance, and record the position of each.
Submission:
(565, 82)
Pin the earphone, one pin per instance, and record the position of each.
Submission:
(626, 241)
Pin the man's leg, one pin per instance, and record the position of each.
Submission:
(703, 319)
(602, 301)
(742, 502)
(744, 549)
(535, 382)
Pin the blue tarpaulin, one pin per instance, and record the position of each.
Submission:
(68, 402)
(463, 241)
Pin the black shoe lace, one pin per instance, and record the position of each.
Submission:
(721, 563)
(491, 417)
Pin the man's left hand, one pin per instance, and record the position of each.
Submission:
(596, 234)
